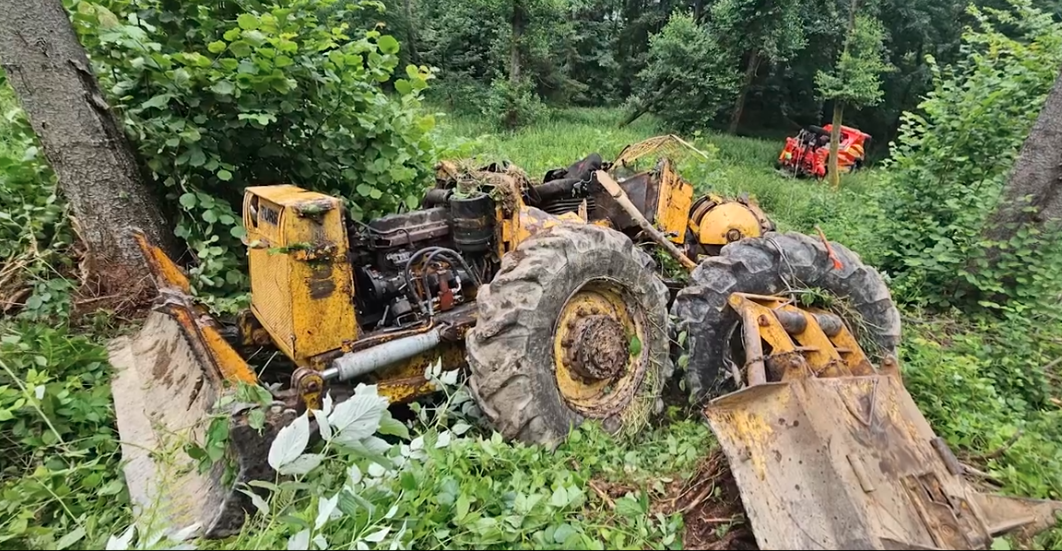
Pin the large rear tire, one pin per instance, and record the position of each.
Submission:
(768, 265)
(554, 342)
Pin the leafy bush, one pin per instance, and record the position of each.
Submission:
(951, 161)
(218, 98)
(60, 450)
(35, 232)
(695, 76)
(511, 105)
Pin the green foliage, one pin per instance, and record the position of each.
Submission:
(512, 106)
(979, 385)
(856, 80)
(687, 66)
(35, 233)
(772, 28)
(59, 479)
(284, 93)
(455, 486)
(951, 161)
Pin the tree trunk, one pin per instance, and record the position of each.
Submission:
(648, 104)
(835, 144)
(698, 10)
(1036, 176)
(412, 34)
(96, 167)
(739, 106)
(514, 47)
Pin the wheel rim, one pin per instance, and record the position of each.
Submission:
(596, 372)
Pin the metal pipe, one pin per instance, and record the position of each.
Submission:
(356, 364)
(831, 324)
(757, 373)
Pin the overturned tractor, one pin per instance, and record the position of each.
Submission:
(539, 291)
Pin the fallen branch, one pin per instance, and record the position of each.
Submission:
(981, 474)
(999, 451)
(1051, 365)
(698, 499)
(603, 495)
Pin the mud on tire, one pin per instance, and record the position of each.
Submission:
(511, 349)
(767, 265)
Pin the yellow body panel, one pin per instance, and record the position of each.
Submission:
(727, 219)
(673, 204)
(301, 281)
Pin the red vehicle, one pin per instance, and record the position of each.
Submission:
(808, 153)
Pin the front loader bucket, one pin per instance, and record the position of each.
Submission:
(850, 463)
(169, 376)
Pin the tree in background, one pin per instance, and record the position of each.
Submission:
(756, 31)
(688, 79)
(855, 81)
(83, 141)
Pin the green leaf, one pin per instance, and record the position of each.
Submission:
(560, 498)
(216, 47)
(188, 200)
(240, 48)
(71, 538)
(393, 427)
(388, 44)
(635, 346)
(629, 507)
(563, 532)
(238, 232)
(1000, 544)
(364, 190)
(282, 61)
(412, 202)
(222, 87)
(159, 101)
(197, 157)
(375, 193)
(462, 506)
(224, 175)
(247, 21)
(403, 87)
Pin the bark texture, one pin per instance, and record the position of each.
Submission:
(1037, 174)
(835, 144)
(81, 137)
(739, 105)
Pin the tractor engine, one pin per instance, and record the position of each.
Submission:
(410, 266)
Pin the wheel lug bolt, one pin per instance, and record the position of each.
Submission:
(764, 322)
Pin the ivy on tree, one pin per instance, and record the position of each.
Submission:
(856, 79)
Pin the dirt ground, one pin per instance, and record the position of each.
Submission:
(708, 501)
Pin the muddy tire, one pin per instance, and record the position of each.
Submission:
(528, 312)
(769, 265)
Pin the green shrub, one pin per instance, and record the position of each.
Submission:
(60, 451)
(953, 158)
(512, 106)
(685, 58)
(35, 233)
(217, 98)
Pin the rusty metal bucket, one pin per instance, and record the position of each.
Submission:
(837, 460)
(169, 376)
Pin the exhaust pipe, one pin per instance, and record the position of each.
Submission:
(363, 362)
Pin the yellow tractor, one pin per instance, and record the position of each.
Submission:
(545, 295)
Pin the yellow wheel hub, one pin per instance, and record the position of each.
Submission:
(598, 350)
